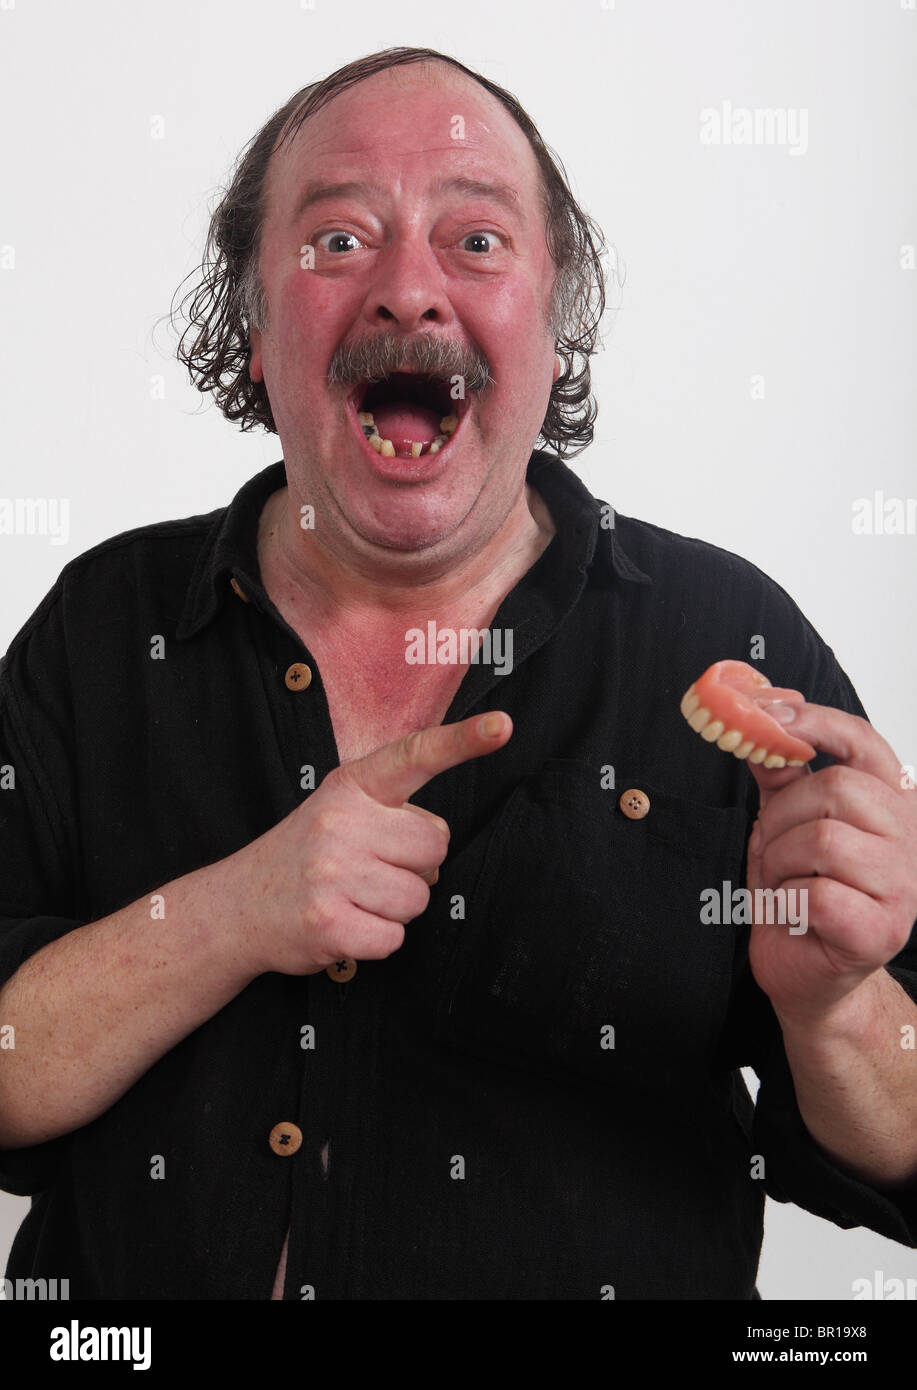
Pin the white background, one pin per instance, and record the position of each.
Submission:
(741, 261)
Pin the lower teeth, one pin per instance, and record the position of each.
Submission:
(385, 447)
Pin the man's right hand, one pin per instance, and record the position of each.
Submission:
(343, 873)
(339, 876)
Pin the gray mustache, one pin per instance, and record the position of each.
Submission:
(375, 359)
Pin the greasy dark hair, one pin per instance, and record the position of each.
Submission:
(229, 295)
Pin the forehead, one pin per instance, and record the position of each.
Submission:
(403, 123)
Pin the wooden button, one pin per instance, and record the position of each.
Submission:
(341, 970)
(298, 676)
(237, 587)
(285, 1138)
(634, 803)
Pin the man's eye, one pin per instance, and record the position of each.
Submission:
(479, 237)
(338, 237)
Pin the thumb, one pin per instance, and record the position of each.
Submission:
(770, 780)
(394, 773)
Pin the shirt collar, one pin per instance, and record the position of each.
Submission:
(230, 550)
(585, 524)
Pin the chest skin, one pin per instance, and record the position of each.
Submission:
(378, 698)
(374, 695)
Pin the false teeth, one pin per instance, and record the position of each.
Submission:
(724, 711)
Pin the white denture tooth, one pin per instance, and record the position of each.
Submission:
(729, 741)
(387, 449)
(376, 442)
(699, 718)
(416, 450)
(689, 703)
(743, 749)
(775, 760)
(712, 731)
(365, 417)
(438, 443)
(757, 755)
(794, 762)
(449, 424)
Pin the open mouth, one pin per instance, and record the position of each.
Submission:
(407, 415)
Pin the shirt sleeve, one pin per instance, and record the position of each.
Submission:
(39, 899)
(796, 1167)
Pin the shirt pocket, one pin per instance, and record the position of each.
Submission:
(583, 944)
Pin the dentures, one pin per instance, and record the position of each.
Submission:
(723, 707)
(447, 426)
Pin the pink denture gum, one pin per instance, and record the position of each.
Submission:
(722, 706)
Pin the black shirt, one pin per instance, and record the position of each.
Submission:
(485, 1139)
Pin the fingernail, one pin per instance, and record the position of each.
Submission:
(490, 725)
(784, 714)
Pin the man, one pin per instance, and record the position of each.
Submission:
(336, 970)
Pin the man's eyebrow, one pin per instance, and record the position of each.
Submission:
(477, 188)
(469, 188)
(319, 192)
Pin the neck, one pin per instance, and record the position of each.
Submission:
(297, 566)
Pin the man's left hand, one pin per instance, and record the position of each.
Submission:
(847, 835)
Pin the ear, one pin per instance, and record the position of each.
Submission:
(254, 365)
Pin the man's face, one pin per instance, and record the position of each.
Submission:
(414, 256)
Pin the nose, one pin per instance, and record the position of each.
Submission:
(408, 289)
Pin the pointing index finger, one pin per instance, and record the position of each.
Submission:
(391, 775)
